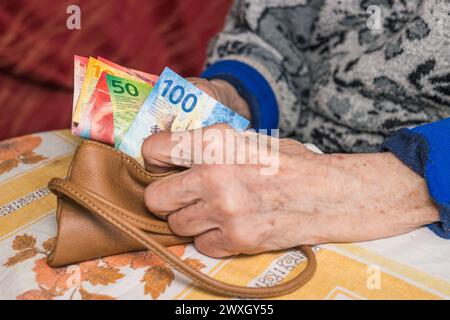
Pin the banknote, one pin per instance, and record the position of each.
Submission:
(127, 97)
(135, 74)
(79, 73)
(96, 121)
(94, 69)
(93, 118)
(93, 72)
(175, 104)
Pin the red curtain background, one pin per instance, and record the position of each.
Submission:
(36, 49)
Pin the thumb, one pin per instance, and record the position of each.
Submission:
(165, 151)
(157, 152)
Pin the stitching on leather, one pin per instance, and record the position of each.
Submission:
(142, 223)
(274, 290)
(125, 216)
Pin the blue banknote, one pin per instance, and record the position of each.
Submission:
(175, 104)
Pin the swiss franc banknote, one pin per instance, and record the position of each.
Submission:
(93, 114)
(95, 68)
(136, 74)
(127, 97)
(93, 72)
(175, 104)
(79, 73)
(96, 121)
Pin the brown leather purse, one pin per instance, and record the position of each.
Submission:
(101, 212)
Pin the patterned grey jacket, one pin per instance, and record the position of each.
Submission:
(340, 81)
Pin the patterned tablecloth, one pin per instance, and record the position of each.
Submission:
(411, 266)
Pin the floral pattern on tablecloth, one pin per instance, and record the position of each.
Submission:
(54, 282)
(19, 150)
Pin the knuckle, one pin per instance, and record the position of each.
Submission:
(238, 238)
(229, 206)
(176, 224)
(185, 180)
(204, 246)
(205, 86)
(205, 175)
(152, 201)
(190, 181)
(149, 197)
(210, 244)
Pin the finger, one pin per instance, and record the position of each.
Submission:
(204, 85)
(211, 243)
(173, 193)
(157, 152)
(167, 150)
(192, 220)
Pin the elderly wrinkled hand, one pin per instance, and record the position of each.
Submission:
(311, 198)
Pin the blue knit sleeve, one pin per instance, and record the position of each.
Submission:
(252, 86)
(426, 150)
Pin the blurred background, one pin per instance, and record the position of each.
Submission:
(37, 48)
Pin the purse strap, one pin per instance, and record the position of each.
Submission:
(99, 206)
